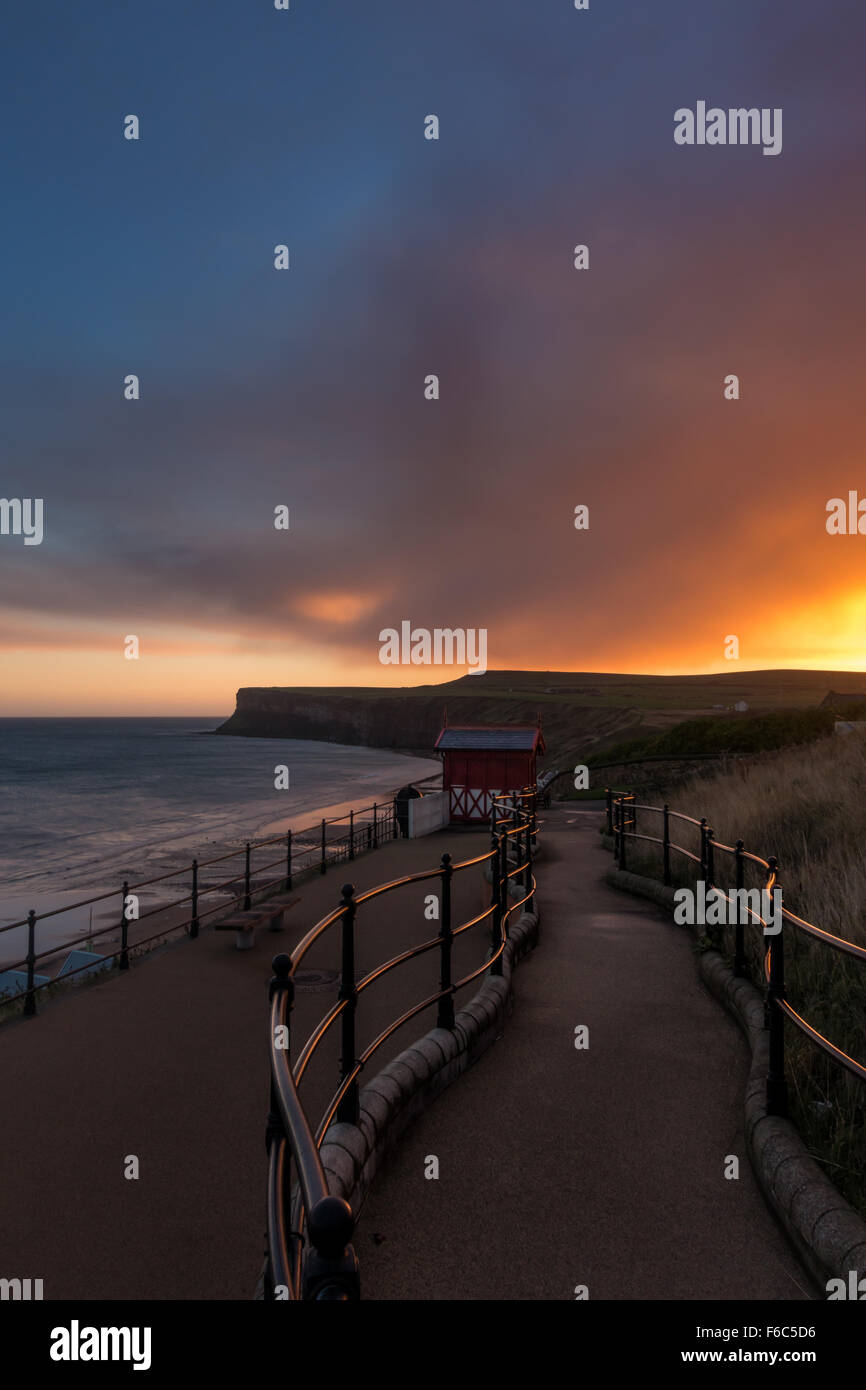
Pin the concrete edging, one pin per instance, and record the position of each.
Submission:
(352, 1154)
(825, 1230)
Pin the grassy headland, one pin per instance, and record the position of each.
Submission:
(582, 713)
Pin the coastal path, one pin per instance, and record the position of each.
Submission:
(167, 1063)
(601, 1167)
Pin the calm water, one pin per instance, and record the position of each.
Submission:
(82, 796)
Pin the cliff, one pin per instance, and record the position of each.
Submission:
(581, 712)
(367, 716)
(410, 719)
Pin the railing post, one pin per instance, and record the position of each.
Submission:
(633, 814)
(347, 1110)
(247, 895)
(739, 951)
(715, 931)
(666, 846)
(193, 925)
(123, 963)
(508, 842)
(704, 848)
(331, 1267)
(500, 874)
(30, 996)
(288, 861)
(351, 834)
(324, 863)
(622, 820)
(496, 892)
(445, 1017)
(375, 826)
(396, 827)
(530, 901)
(609, 796)
(777, 1087)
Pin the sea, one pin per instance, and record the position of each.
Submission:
(87, 803)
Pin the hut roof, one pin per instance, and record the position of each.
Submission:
(477, 737)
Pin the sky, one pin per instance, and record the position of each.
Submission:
(304, 388)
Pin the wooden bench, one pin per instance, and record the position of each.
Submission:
(244, 924)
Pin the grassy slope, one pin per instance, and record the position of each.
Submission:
(743, 734)
(762, 689)
(581, 712)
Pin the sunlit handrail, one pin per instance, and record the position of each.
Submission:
(329, 1219)
(839, 942)
(288, 1123)
(849, 1063)
(778, 1007)
(313, 1182)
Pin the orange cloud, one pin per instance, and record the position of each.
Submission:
(341, 606)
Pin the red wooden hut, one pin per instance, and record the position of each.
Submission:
(482, 761)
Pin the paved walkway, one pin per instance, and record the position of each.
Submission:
(557, 1167)
(604, 1167)
(169, 1063)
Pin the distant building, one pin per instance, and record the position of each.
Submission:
(849, 726)
(483, 761)
(741, 706)
(841, 703)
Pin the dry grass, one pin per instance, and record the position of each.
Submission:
(807, 806)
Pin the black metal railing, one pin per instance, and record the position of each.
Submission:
(622, 822)
(315, 849)
(322, 1264)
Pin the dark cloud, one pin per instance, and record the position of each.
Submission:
(558, 386)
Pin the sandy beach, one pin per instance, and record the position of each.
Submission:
(76, 919)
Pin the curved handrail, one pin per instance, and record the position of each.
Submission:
(838, 942)
(289, 1131)
(835, 1052)
(775, 987)
(313, 1182)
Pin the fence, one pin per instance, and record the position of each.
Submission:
(313, 849)
(622, 824)
(325, 1266)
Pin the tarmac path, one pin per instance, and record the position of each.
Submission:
(601, 1167)
(168, 1062)
(558, 1167)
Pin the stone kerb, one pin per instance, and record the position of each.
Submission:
(825, 1230)
(351, 1154)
